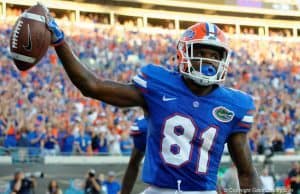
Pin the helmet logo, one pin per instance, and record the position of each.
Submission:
(189, 34)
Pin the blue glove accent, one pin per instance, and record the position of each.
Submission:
(208, 70)
(57, 34)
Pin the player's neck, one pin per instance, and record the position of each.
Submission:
(197, 89)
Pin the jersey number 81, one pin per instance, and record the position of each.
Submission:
(177, 142)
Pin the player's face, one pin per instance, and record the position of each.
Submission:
(203, 52)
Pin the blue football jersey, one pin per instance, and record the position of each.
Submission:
(138, 132)
(186, 133)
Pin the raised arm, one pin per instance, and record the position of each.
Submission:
(240, 153)
(111, 92)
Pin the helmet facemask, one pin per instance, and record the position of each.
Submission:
(203, 71)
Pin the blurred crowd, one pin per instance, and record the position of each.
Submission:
(41, 110)
(108, 183)
(88, 18)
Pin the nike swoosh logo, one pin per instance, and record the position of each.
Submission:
(29, 43)
(168, 99)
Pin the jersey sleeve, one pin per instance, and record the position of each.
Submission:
(245, 117)
(138, 132)
(146, 79)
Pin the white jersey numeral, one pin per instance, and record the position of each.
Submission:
(177, 142)
(207, 137)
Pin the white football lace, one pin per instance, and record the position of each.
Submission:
(16, 34)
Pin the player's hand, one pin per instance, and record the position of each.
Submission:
(57, 35)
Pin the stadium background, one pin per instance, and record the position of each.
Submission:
(265, 35)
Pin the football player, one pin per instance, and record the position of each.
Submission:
(190, 115)
(139, 133)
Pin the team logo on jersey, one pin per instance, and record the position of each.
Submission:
(223, 114)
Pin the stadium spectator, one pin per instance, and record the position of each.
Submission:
(277, 142)
(267, 181)
(113, 186)
(114, 142)
(294, 178)
(92, 183)
(35, 137)
(10, 140)
(23, 140)
(126, 144)
(21, 184)
(23, 144)
(67, 140)
(83, 142)
(75, 187)
(289, 140)
(101, 177)
(103, 143)
(53, 188)
(263, 142)
(49, 143)
(297, 136)
(95, 142)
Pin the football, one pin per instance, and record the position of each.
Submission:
(30, 38)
